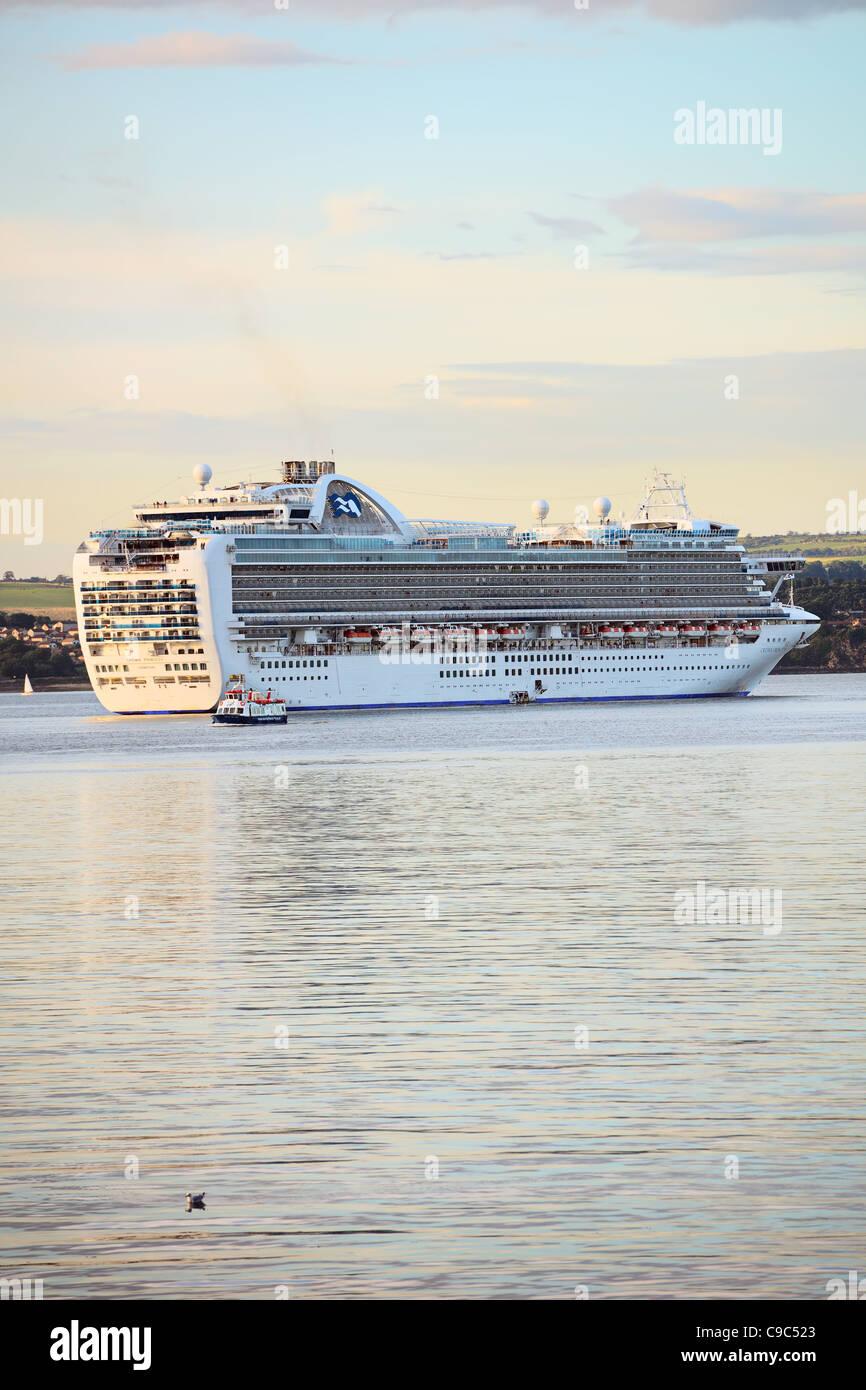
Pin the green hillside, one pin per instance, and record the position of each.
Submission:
(55, 600)
(851, 546)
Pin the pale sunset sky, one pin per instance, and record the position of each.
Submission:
(593, 297)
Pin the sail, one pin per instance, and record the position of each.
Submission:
(28, 688)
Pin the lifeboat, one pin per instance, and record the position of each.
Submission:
(667, 630)
(609, 630)
(719, 629)
(358, 634)
(693, 630)
(636, 630)
(511, 632)
(750, 629)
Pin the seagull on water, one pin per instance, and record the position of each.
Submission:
(195, 1199)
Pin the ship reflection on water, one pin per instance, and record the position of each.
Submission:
(406, 996)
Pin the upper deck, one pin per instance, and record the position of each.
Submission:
(314, 507)
(350, 550)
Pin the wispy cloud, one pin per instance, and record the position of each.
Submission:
(562, 227)
(689, 13)
(195, 48)
(471, 255)
(764, 260)
(542, 379)
(350, 212)
(663, 215)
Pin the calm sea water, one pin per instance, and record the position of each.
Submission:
(406, 995)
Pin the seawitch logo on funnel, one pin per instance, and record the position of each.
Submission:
(347, 505)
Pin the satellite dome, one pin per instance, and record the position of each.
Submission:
(540, 508)
(202, 474)
(601, 506)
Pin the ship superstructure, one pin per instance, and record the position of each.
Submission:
(321, 588)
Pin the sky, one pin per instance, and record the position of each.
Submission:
(481, 252)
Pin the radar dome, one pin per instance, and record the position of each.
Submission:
(540, 508)
(601, 506)
(202, 474)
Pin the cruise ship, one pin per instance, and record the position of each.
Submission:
(319, 589)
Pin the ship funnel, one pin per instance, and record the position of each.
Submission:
(299, 471)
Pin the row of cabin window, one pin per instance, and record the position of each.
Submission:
(275, 666)
(191, 666)
(571, 671)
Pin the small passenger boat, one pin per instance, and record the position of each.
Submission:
(239, 706)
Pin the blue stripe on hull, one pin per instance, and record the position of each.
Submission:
(241, 719)
(551, 700)
(449, 704)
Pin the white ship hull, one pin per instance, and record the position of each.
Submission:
(129, 680)
(170, 613)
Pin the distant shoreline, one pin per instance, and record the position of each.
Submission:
(10, 686)
(13, 687)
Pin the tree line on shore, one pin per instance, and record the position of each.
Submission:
(836, 593)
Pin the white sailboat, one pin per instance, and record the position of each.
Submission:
(28, 688)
